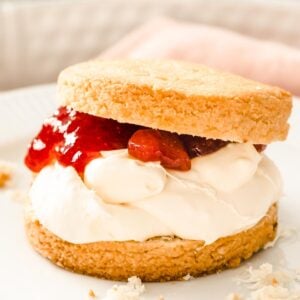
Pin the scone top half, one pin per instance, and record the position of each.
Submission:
(178, 97)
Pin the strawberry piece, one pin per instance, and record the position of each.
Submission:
(198, 146)
(158, 145)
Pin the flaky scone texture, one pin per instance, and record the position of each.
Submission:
(178, 97)
(158, 259)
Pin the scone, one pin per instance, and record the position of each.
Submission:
(155, 169)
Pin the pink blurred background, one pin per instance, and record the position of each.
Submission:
(259, 39)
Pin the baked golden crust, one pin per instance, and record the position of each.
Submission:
(178, 97)
(158, 259)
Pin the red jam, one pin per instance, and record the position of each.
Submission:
(75, 138)
(260, 147)
(158, 145)
(198, 146)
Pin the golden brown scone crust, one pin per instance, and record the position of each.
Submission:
(158, 259)
(178, 97)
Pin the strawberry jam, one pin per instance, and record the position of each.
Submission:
(260, 147)
(199, 146)
(75, 138)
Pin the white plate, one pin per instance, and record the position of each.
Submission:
(27, 276)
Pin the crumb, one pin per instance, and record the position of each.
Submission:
(15, 181)
(130, 291)
(161, 298)
(266, 275)
(6, 171)
(274, 281)
(233, 296)
(92, 294)
(4, 178)
(187, 277)
(267, 283)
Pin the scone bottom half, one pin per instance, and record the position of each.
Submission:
(158, 259)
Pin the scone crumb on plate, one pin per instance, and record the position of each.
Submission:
(130, 291)
(6, 171)
(265, 275)
(267, 283)
(234, 296)
(187, 277)
(92, 294)
(15, 181)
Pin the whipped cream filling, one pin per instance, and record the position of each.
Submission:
(123, 199)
